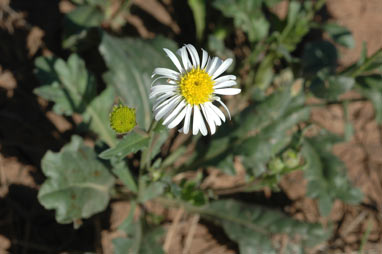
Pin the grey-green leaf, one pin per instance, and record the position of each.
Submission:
(257, 150)
(79, 21)
(139, 241)
(122, 170)
(130, 143)
(151, 191)
(340, 35)
(252, 226)
(77, 184)
(247, 16)
(198, 8)
(73, 90)
(131, 63)
(326, 174)
(370, 86)
(97, 112)
(331, 87)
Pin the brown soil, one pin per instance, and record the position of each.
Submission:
(29, 128)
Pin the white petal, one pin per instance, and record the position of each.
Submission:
(170, 100)
(156, 79)
(174, 59)
(167, 108)
(198, 122)
(178, 118)
(156, 90)
(166, 73)
(209, 119)
(228, 83)
(225, 78)
(224, 106)
(186, 126)
(211, 63)
(163, 100)
(213, 68)
(183, 54)
(222, 68)
(212, 114)
(228, 91)
(217, 111)
(204, 59)
(175, 112)
(194, 55)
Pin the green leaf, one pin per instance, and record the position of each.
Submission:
(270, 3)
(131, 63)
(340, 35)
(131, 143)
(151, 191)
(247, 15)
(270, 120)
(77, 184)
(257, 116)
(96, 114)
(69, 84)
(79, 21)
(121, 169)
(198, 8)
(331, 87)
(158, 139)
(216, 45)
(319, 56)
(252, 226)
(296, 27)
(139, 241)
(370, 86)
(259, 149)
(265, 73)
(73, 90)
(365, 65)
(326, 174)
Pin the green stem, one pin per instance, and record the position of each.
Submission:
(367, 63)
(146, 156)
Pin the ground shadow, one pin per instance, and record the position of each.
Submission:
(33, 229)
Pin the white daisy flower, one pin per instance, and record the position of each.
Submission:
(189, 93)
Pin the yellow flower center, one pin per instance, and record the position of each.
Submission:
(196, 86)
(122, 119)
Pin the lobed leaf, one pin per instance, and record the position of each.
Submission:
(73, 90)
(78, 185)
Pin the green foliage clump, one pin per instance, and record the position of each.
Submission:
(271, 132)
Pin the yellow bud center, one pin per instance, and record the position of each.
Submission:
(122, 119)
(196, 86)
